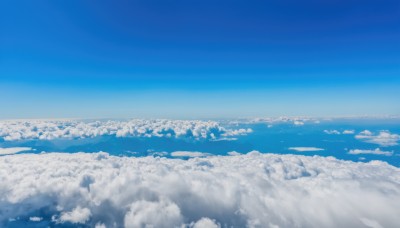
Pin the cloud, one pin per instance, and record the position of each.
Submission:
(332, 132)
(234, 153)
(206, 223)
(377, 151)
(298, 123)
(54, 129)
(35, 219)
(348, 132)
(157, 213)
(189, 154)
(305, 149)
(77, 215)
(383, 138)
(336, 132)
(13, 150)
(277, 120)
(252, 190)
(370, 223)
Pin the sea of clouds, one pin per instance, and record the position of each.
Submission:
(53, 129)
(252, 190)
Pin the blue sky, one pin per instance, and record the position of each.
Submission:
(198, 59)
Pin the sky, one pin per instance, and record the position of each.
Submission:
(198, 59)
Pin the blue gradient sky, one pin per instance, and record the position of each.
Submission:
(195, 59)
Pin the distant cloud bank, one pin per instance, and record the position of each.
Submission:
(53, 129)
(252, 190)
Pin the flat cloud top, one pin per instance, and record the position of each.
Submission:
(189, 154)
(53, 129)
(377, 151)
(305, 149)
(252, 190)
(13, 150)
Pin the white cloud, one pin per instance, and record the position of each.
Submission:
(157, 213)
(206, 223)
(298, 123)
(35, 219)
(348, 132)
(383, 138)
(189, 154)
(366, 132)
(252, 190)
(53, 129)
(283, 119)
(336, 132)
(234, 153)
(77, 215)
(305, 149)
(332, 132)
(377, 151)
(13, 150)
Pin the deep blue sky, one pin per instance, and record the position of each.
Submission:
(193, 59)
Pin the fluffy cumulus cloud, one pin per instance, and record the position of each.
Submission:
(305, 149)
(53, 129)
(206, 223)
(383, 138)
(377, 151)
(77, 215)
(160, 213)
(251, 190)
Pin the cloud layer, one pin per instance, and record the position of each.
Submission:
(253, 190)
(297, 121)
(53, 129)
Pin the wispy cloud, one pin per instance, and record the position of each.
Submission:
(332, 132)
(336, 132)
(377, 151)
(305, 149)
